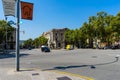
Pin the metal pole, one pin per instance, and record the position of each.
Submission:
(17, 35)
(6, 36)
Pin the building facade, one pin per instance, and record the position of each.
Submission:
(11, 41)
(56, 38)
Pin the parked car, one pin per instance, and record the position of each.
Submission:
(29, 48)
(107, 47)
(69, 47)
(45, 49)
(112, 47)
(116, 47)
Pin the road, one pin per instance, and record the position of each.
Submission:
(98, 64)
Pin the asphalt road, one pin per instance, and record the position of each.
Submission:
(98, 64)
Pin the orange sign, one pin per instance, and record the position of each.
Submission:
(26, 10)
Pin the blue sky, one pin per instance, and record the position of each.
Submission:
(49, 14)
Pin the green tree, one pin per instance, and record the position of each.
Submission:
(70, 36)
(116, 28)
(108, 29)
(5, 31)
(36, 42)
(77, 37)
(87, 29)
(43, 40)
(28, 43)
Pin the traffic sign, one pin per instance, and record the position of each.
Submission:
(26, 10)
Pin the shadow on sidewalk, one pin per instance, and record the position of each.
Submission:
(92, 66)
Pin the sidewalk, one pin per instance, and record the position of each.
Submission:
(35, 74)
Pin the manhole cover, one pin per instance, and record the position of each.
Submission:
(34, 74)
(63, 78)
(94, 56)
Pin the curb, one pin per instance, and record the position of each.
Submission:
(63, 73)
(75, 75)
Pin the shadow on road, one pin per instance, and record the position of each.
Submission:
(92, 66)
(11, 55)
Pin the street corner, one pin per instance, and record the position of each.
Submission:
(70, 76)
(12, 74)
(7, 71)
(37, 74)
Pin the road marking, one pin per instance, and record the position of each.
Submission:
(71, 74)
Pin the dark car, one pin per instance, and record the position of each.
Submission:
(116, 47)
(45, 49)
(29, 48)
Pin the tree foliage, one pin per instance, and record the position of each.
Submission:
(37, 42)
(102, 26)
(70, 36)
(42, 40)
(5, 30)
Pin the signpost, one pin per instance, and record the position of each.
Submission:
(27, 13)
(17, 36)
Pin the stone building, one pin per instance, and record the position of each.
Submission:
(56, 38)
